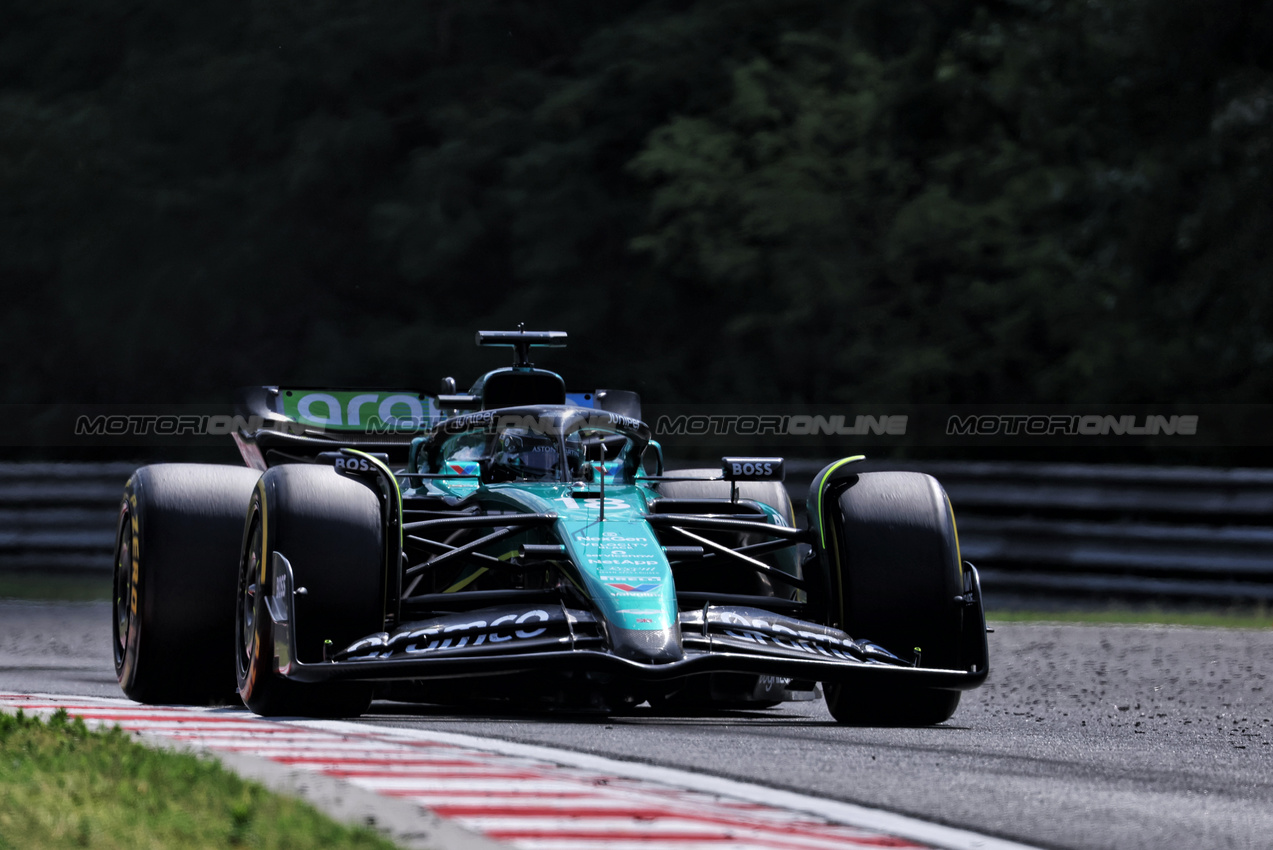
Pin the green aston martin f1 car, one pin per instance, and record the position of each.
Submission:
(525, 544)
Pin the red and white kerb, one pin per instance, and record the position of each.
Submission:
(521, 802)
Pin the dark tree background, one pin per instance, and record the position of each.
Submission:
(764, 200)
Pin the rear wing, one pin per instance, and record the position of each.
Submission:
(293, 425)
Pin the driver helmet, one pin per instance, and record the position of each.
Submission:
(527, 454)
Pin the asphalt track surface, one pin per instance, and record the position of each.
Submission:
(1084, 736)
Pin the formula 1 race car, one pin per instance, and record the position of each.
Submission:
(525, 544)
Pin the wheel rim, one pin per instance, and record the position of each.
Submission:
(246, 609)
(123, 587)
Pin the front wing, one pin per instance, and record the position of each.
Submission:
(555, 638)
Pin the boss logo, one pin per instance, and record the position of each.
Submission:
(748, 468)
(350, 463)
(353, 464)
(752, 468)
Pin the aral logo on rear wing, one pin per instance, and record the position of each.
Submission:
(391, 411)
(375, 411)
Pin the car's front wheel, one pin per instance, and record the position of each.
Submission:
(897, 581)
(329, 528)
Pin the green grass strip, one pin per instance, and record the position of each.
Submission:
(62, 785)
(1255, 617)
(54, 588)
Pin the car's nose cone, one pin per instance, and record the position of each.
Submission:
(652, 646)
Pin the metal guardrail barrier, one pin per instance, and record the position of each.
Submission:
(1045, 529)
(59, 517)
(1031, 528)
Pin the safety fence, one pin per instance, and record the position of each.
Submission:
(59, 517)
(1031, 528)
(1056, 529)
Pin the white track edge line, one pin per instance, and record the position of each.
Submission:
(853, 814)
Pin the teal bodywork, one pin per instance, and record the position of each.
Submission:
(616, 560)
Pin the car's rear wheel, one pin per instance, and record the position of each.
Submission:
(732, 690)
(177, 544)
(730, 579)
(329, 528)
(896, 573)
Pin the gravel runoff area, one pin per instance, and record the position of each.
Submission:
(1084, 737)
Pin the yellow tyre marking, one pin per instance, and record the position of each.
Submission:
(959, 557)
(136, 535)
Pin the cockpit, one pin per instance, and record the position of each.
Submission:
(560, 444)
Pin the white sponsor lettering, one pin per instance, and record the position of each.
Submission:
(762, 631)
(495, 636)
(305, 407)
(753, 468)
(354, 408)
(436, 641)
(415, 411)
(540, 616)
(399, 409)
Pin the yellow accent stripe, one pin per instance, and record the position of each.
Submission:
(822, 527)
(822, 531)
(265, 537)
(959, 555)
(397, 492)
(465, 582)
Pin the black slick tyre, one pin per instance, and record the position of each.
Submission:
(176, 555)
(895, 578)
(329, 528)
(706, 484)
